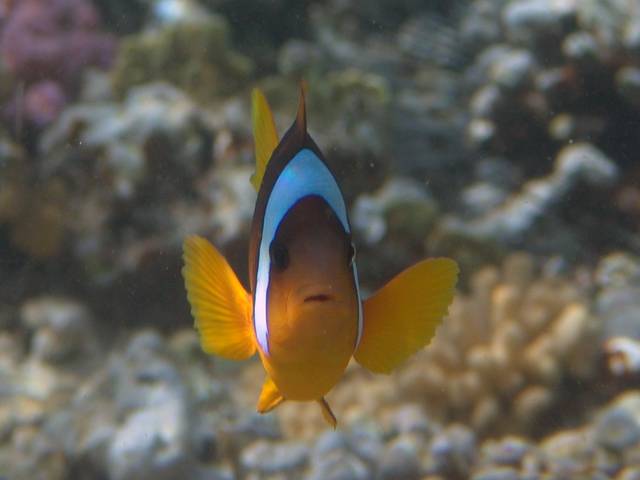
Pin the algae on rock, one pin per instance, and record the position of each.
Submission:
(194, 55)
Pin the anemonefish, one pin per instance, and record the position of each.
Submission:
(305, 315)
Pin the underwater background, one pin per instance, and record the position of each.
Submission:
(504, 134)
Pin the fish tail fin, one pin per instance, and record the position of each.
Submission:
(264, 133)
(220, 305)
(327, 414)
(402, 317)
(270, 396)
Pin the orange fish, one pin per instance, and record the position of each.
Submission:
(305, 315)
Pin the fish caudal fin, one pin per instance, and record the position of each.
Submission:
(327, 414)
(401, 317)
(220, 305)
(270, 397)
(265, 135)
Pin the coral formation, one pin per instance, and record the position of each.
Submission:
(194, 56)
(499, 362)
(511, 220)
(531, 101)
(32, 209)
(141, 176)
(156, 407)
(47, 45)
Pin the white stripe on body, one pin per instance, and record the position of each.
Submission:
(304, 175)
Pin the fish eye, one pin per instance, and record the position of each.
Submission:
(351, 253)
(279, 255)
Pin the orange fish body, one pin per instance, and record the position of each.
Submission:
(305, 315)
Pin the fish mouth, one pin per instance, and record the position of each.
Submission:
(315, 293)
(320, 297)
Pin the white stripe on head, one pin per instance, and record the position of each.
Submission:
(304, 175)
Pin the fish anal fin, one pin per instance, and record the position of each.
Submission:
(402, 317)
(220, 305)
(270, 396)
(327, 414)
(265, 135)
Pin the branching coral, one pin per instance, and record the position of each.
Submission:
(500, 359)
(576, 165)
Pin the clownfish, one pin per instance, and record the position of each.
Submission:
(305, 315)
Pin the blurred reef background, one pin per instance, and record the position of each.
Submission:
(502, 133)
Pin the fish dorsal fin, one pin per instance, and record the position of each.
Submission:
(301, 116)
(264, 134)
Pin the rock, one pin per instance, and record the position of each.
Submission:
(617, 301)
(329, 441)
(373, 214)
(496, 473)
(366, 442)
(629, 473)
(528, 20)
(338, 465)
(507, 451)
(453, 450)
(618, 426)
(580, 46)
(568, 453)
(153, 439)
(513, 70)
(628, 83)
(62, 330)
(173, 52)
(269, 458)
(401, 459)
(411, 419)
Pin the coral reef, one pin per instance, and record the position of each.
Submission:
(514, 218)
(140, 177)
(32, 210)
(193, 55)
(46, 46)
(501, 359)
(463, 128)
(156, 407)
(549, 75)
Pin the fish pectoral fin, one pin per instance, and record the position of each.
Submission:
(270, 396)
(265, 136)
(220, 305)
(327, 414)
(402, 317)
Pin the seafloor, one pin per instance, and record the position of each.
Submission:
(502, 133)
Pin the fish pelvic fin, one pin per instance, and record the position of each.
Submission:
(327, 414)
(270, 396)
(402, 317)
(265, 135)
(220, 305)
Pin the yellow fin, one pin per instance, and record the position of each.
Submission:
(270, 397)
(327, 414)
(220, 305)
(264, 134)
(401, 317)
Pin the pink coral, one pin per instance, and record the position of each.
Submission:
(54, 40)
